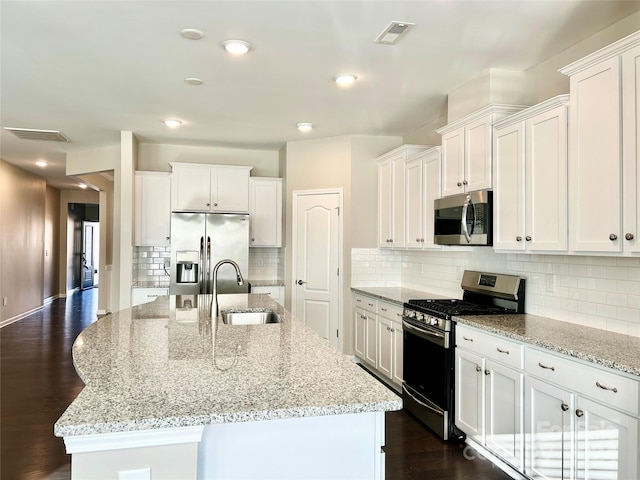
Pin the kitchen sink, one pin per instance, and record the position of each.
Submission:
(252, 317)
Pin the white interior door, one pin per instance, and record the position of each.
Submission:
(316, 255)
(90, 246)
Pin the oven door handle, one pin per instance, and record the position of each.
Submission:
(428, 335)
(434, 410)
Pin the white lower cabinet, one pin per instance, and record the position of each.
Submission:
(378, 336)
(547, 415)
(488, 392)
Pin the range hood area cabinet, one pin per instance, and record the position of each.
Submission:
(530, 179)
(467, 150)
(209, 188)
(391, 195)
(604, 131)
(152, 214)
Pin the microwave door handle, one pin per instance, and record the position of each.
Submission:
(463, 220)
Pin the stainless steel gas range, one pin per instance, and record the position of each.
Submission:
(428, 355)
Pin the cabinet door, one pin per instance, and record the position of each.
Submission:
(397, 373)
(397, 194)
(371, 350)
(266, 212)
(546, 181)
(414, 203)
(152, 208)
(385, 204)
(509, 191)
(385, 347)
(360, 334)
(230, 189)
(595, 159)
(469, 394)
(503, 412)
(477, 153)
(549, 426)
(631, 148)
(191, 188)
(431, 190)
(452, 162)
(606, 442)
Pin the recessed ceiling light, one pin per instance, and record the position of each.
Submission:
(41, 163)
(193, 81)
(345, 79)
(172, 122)
(305, 127)
(191, 33)
(236, 47)
(82, 186)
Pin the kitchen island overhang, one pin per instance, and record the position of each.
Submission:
(167, 368)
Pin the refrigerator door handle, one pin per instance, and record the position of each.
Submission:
(201, 264)
(206, 282)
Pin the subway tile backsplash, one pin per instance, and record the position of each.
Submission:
(600, 292)
(149, 265)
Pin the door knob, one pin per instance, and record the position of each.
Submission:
(300, 282)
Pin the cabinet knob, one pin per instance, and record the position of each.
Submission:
(417, 240)
(487, 372)
(478, 368)
(564, 407)
(167, 238)
(613, 237)
(629, 236)
(422, 240)
(528, 238)
(465, 182)
(459, 184)
(215, 204)
(253, 239)
(579, 413)
(208, 204)
(518, 238)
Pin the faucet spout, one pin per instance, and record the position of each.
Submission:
(239, 278)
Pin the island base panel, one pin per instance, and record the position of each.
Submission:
(332, 446)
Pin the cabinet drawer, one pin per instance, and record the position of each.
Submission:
(603, 385)
(363, 301)
(391, 311)
(494, 347)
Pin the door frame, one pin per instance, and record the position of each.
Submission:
(294, 231)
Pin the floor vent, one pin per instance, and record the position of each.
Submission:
(34, 134)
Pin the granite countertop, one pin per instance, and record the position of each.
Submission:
(158, 366)
(266, 283)
(608, 349)
(398, 295)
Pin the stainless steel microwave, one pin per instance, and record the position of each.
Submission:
(464, 219)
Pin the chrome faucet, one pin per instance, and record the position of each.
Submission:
(239, 278)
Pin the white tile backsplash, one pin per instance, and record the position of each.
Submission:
(601, 292)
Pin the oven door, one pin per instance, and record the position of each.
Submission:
(428, 374)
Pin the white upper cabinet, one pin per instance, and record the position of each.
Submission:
(210, 188)
(391, 195)
(467, 150)
(422, 180)
(530, 178)
(152, 208)
(265, 198)
(604, 183)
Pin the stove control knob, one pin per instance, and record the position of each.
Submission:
(422, 317)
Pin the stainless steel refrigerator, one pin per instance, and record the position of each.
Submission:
(198, 242)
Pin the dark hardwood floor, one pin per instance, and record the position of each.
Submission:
(38, 381)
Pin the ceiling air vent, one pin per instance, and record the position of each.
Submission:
(34, 134)
(394, 32)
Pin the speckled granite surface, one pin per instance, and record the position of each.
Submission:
(267, 283)
(612, 350)
(152, 366)
(397, 295)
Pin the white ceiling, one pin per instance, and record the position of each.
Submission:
(93, 68)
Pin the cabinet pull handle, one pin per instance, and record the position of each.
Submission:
(468, 339)
(487, 372)
(398, 314)
(358, 300)
(518, 238)
(629, 236)
(459, 184)
(579, 413)
(612, 389)
(422, 240)
(383, 309)
(553, 369)
(417, 240)
(464, 182)
(502, 351)
(564, 407)
(613, 237)
(478, 368)
(528, 238)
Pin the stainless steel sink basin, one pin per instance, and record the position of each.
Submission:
(252, 317)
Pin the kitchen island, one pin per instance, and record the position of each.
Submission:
(170, 391)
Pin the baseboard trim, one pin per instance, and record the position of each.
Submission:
(50, 299)
(11, 320)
